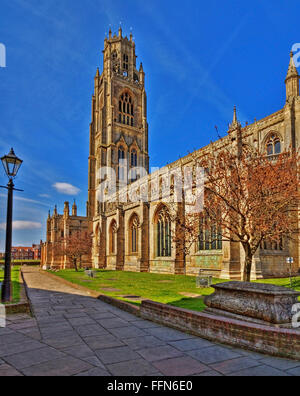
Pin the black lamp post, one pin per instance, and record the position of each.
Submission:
(11, 165)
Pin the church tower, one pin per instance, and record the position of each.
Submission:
(119, 128)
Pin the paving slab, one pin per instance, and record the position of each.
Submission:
(63, 341)
(73, 334)
(103, 342)
(167, 334)
(66, 366)
(210, 373)
(94, 372)
(133, 368)
(260, 371)
(214, 354)
(116, 355)
(181, 366)
(294, 371)
(91, 330)
(31, 358)
(159, 353)
(191, 344)
(94, 361)
(79, 351)
(231, 366)
(82, 321)
(281, 364)
(112, 323)
(9, 371)
(143, 342)
(19, 347)
(127, 332)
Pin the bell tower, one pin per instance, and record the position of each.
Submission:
(119, 128)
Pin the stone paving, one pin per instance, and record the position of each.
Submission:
(73, 334)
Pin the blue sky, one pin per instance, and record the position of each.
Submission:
(200, 58)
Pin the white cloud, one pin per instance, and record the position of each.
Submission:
(65, 188)
(44, 195)
(23, 225)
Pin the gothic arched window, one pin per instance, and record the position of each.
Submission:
(125, 62)
(113, 237)
(164, 234)
(133, 164)
(121, 163)
(114, 55)
(273, 145)
(133, 158)
(210, 235)
(126, 113)
(133, 236)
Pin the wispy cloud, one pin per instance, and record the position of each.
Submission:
(27, 200)
(183, 64)
(66, 188)
(23, 225)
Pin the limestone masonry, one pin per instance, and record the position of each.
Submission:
(138, 236)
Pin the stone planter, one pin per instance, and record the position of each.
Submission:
(253, 302)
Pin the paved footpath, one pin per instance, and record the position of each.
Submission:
(73, 334)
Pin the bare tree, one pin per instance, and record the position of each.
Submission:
(75, 247)
(250, 197)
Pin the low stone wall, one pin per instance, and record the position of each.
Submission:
(211, 261)
(162, 266)
(132, 264)
(111, 263)
(275, 266)
(265, 339)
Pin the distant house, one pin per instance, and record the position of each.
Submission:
(26, 253)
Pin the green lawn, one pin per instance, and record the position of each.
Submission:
(15, 278)
(168, 289)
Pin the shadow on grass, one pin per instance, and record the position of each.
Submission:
(192, 304)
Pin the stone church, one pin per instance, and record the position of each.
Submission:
(137, 235)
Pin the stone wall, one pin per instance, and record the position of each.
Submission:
(266, 339)
(211, 262)
(162, 266)
(273, 266)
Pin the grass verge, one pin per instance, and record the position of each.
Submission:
(16, 287)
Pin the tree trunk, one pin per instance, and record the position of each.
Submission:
(248, 263)
(75, 265)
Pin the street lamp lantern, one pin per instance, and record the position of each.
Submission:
(11, 164)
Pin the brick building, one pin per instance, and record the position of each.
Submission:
(26, 253)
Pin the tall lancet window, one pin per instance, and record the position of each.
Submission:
(126, 111)
(121, 162)
(113, 238)
(164, 234)
(133, 227)
(133, 164)
(210, 235)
